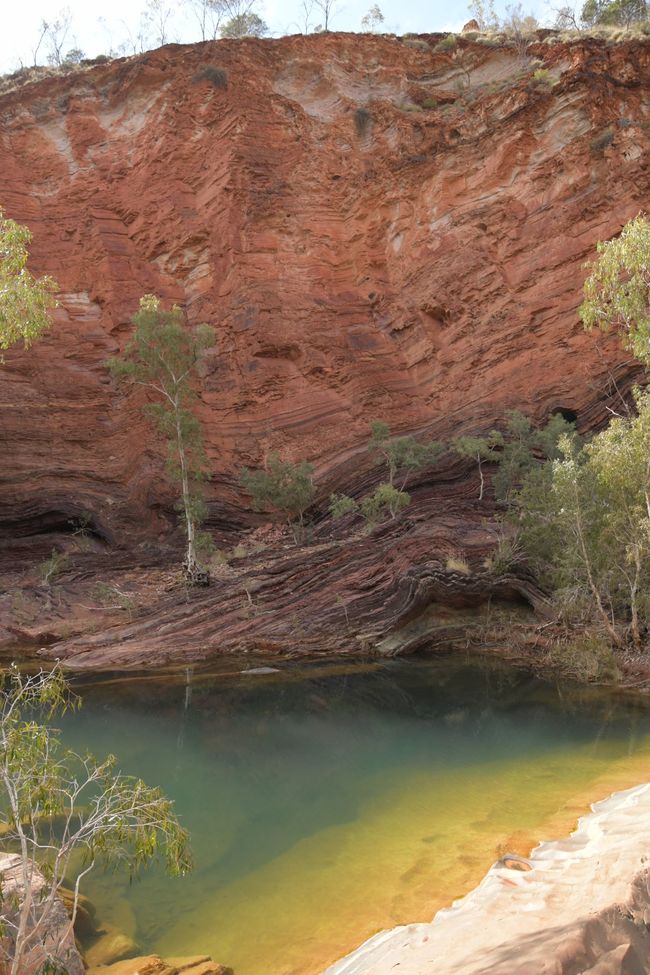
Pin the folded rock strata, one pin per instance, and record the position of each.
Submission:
(419, 262)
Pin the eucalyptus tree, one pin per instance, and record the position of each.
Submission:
(617, 290)
(64, 814)
(288, 488)
(157, 16)
(585, 524)
(208, 14)
(585, 516)
(402, 455)
(25, 301)
(373, 19)
(245, 25)
(162, 356)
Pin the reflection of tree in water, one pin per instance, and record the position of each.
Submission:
(452, 688)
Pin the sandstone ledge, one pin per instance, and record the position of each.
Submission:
(155, 965)
(583, 906)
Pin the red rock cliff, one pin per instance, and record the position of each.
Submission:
(375, 230)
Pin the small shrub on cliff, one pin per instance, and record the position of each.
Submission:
(217, 77)
(603, 140)
(403, 456)
(523, 444)
(447, 43)
(385, 501)
(362, 122)
(341, 505)
(25, 301)
(112, 597)
(53, 567)
(542, 76)
(479, 449)
(458, 565)
(65, 813)
(286, 487)
(502, 559)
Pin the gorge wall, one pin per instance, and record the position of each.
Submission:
(375, 229)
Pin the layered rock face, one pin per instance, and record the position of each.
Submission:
(374, 229)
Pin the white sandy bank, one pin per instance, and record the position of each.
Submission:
(583, 907)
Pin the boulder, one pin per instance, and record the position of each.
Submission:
(141, 965)
(155, 965)
(111, 946)
(85, 924)
(199, 965)
(58, 942)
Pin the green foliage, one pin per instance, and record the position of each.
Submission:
(585, 524)
(516, 451)
(458, 565)
(479, 449)
(244, 25)
(384, 501)
(621, 13)
(112, 597)
(217, 77)
(402, 455)
(604, 139)
(74, 56)
(64, 813)
(617, 291)
(521, 445)
(447, 43)
(485, 448)
(504, 557)
(25, 301)
(341, 505)
(162, 356)
(373, 19)
(542, 76)
(362, 121)
(585, 657)
(286, 487)
(52, 567)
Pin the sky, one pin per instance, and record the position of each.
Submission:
(97, 28)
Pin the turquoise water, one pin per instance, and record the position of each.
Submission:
(328, 801)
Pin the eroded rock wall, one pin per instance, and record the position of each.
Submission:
(421, 264)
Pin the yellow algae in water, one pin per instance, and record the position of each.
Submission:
(425, 839)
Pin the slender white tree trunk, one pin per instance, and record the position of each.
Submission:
(192, 564)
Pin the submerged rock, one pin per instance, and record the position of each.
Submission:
(111, 946)
(155, 965)
(581, 905)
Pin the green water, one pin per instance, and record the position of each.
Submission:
(326, 803)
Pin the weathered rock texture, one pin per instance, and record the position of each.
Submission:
(55, 946)
(369, 240)
(582, 908)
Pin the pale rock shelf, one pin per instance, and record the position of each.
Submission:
(583, 906)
